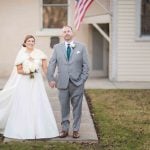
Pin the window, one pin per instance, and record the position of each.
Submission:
(145, 17)
(54, 13)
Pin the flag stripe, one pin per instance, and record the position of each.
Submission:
(82, 11)
(81, 7)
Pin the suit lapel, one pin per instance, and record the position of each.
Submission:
(64, 50)
(73, 51)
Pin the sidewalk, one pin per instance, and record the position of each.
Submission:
(87, 130)
(102, 83)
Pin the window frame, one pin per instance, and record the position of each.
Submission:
(139, 36)
(49, 31)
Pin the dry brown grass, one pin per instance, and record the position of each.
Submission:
(122, 118)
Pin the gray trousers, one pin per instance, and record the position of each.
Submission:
(74, 95)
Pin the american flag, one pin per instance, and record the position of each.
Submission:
(81, 7)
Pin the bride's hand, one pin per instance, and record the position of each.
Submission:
(52, 84)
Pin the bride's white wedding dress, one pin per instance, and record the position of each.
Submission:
(25, 111)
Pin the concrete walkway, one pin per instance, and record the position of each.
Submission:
(87, 130)
(102, 83)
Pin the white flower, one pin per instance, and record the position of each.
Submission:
(30, 67)
(73, 45)
(26, 66)
(78, 52)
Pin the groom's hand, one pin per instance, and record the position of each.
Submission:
(52, 84)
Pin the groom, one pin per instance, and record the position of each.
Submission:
(71, 59)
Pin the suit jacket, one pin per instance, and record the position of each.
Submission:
(76, 69)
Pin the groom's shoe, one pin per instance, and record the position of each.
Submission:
(76, 134)
(63, 134)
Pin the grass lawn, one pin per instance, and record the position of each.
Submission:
(40, 145)
(122, 119)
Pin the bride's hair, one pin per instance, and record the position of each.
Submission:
(26, 38)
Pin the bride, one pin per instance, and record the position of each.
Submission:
(25, 111)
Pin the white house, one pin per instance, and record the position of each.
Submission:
(116, 33)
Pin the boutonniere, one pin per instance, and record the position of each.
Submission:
(73, 45)
(78, 52)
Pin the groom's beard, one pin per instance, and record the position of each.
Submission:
(68, 37)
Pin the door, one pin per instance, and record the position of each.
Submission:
(100, 54)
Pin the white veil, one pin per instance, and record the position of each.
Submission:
(6, 93)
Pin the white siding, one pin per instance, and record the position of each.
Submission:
(13, 28)
(96, 8)
(19, 18)
(133, 57)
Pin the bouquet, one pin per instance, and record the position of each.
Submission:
(30, 67)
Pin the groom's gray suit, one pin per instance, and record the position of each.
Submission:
(70, 79)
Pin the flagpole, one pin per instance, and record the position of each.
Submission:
(101, 5)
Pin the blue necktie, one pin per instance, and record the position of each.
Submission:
(68, 51)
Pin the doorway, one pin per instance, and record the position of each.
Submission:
(100, 52)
